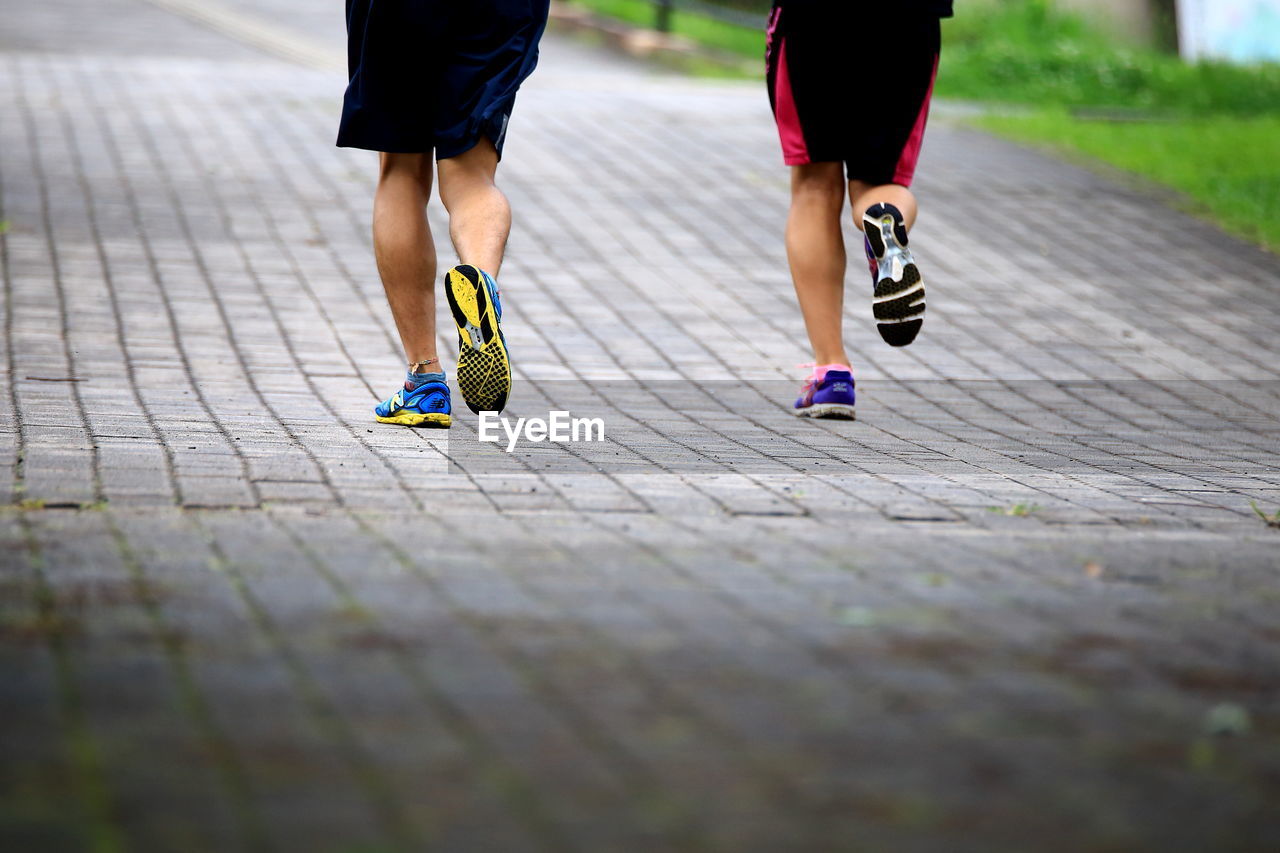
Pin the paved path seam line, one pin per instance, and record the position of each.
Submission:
(256, 32)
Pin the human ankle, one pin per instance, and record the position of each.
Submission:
(417, 380)
(422, 372)
(822, 368)
(839, 362)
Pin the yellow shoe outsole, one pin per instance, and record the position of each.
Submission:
(417, 419)
(484, 366)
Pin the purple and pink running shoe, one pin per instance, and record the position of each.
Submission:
(828, 393)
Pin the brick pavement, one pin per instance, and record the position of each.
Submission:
(236, 614)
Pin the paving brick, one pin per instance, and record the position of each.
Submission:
(1007, 606)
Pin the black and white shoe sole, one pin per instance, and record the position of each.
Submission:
(898, 302)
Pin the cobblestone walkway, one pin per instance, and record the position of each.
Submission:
(1024, 600)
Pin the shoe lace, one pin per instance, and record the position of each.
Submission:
(810, 366)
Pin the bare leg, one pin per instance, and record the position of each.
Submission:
(815, 250)
(479, 214)
(863, 195)
(405, 252)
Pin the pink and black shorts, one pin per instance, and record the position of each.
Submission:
(852, 84)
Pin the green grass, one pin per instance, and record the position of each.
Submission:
(1227, 163)
(1207, 129)
(1027, 52)
(741, 41)
(1020, 510)
(1272, 519)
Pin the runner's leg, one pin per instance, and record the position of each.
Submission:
(815, 250)
(405, 252)
(479, 213)
(863, 195)
(479, 222)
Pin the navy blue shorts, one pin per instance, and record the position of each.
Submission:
(436, 74)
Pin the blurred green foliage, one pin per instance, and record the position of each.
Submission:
(1030, 52)
(1210, 130)
(744, 42)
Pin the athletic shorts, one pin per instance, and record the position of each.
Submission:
(852, 85)
(436, 74)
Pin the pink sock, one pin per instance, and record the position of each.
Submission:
(820, 370)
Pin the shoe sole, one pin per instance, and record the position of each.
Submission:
(839, 411)
(898, 303)
(484, 367)
(417, 419)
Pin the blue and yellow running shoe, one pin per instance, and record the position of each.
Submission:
(424, 406)
(484, 367)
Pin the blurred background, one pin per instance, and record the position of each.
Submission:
(1185, 93)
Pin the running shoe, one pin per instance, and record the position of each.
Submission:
(424, 406)
(871, 260)
(828, 393)
(484, 367)
(898, 303)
